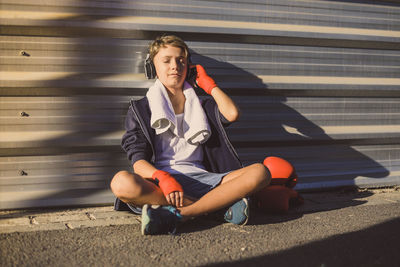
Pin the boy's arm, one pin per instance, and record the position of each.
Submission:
(135, 145)
(144, 168)
(171, 189)
(226, 105)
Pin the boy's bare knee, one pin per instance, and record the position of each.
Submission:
(262, 176)
(124, 185)
(117, 180)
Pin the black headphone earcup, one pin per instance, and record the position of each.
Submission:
(149, 69)
(191, 73)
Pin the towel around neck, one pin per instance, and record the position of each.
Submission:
(195, 125)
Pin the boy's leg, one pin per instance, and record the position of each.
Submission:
(133, 189)
(234, 186)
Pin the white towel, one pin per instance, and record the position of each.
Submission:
(195, 127)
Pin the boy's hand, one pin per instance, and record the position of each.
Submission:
(175, 198)
(204, 81)
(171, 189)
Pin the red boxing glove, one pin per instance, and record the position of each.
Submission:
(282, 172)
(203, 80)
(166, 182)
(277, 199)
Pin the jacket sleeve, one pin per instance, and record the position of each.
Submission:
(219, 154)
(134, 142)
(225, 122)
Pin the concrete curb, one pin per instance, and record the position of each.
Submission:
(74, 218)
(46, 219)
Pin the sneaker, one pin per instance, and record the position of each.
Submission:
(158, 219)
(238, 213)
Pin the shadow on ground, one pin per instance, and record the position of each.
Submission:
(314, 202)
(360, 248)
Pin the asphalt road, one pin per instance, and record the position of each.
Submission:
(346, 232)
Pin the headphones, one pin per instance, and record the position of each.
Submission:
(150, 69)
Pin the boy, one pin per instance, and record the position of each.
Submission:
(180, 153)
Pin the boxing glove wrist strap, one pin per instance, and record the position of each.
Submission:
(166, 182)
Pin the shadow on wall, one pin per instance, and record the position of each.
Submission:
(89, 117)
(269, 126)
(262, 131)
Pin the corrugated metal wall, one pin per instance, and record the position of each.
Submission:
(317, 81)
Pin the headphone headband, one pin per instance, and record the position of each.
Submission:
(150, 69)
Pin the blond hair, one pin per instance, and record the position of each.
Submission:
(163, 41)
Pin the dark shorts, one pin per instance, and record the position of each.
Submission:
(195, 185)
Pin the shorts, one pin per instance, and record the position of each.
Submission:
(195, 185)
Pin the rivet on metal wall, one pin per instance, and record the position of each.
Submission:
(25, 54)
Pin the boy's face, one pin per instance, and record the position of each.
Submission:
(171, 66)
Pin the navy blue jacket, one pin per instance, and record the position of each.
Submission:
(138, 141)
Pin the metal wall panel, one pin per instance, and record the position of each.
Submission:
(317, 82)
